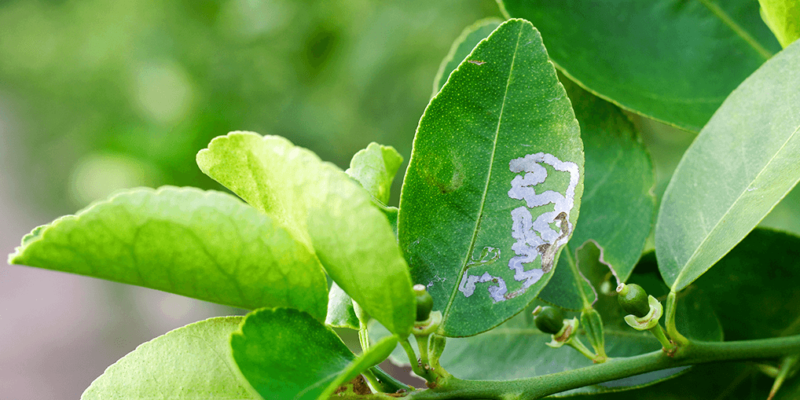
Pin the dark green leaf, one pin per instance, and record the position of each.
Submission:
(188, 363)
(340, 309)
(375, 168)
(206, 245)
(501, 114)
(617, 208)
(739, 167)
(324, 209)
(704, 382)
(461, 48)
(753, 289)
(674, 61)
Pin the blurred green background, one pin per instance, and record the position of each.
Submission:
(97, 96)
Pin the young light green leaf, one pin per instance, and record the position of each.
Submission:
(326, 210)
(783, 18)
(340, 309)
(671, 61)
(188, 363)
(739, 167)
(375, 168)
(461, 48)
(617, 208)
(495, 148)
(287, 354)
(206, 245)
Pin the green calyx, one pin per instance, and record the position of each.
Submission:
(548, 319)
(424, 303)
(649, 320)
(633, 299)
(566, 335)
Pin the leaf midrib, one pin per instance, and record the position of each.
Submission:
(717, 224)
(486, 186)
(730, 23)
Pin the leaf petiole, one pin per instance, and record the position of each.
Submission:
(658, 332)
(576, 344)
(672, 329)
(787, 365)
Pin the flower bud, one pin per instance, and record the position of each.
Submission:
(548, 319)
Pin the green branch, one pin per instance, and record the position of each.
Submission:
(540, 386)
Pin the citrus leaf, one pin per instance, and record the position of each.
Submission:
(739, 167)
(617, 208)
(753, 289)
(341, 313)
(728, 381)
(287, 354)
(783, 18)
(493, 187)
(206, 245)
(167, 367)
(461, 48)
(375, 355)
(661, 59)
(375, 168)
(324, 209)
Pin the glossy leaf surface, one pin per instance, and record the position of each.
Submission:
(206, 245)
(324, 209)
(497, 162)
(783, 18)
(673, 61)
(617, 208)
(287, 354)
(461, 48)
(375, 168)
(739, 167)
(167, 367)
